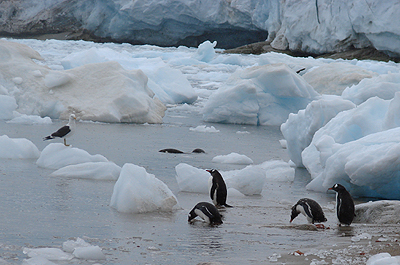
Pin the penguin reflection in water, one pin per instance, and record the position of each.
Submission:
(218, 191)
(344, 205)
(206, 211)
(310, 209)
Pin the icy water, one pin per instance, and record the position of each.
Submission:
(42, 211)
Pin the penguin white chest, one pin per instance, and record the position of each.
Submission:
(202, 216)
(301, 210)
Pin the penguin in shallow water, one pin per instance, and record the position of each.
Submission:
(310, 209)
(344, 205)
(208, 212)
(218, 191)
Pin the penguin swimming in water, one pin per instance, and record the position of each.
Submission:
(176, 151)
(218, 191)
(344, 205)
(310, 209)
(207, 211)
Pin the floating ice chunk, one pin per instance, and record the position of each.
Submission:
(233, 158)
(204, 128)
(378, 212)
(383, 259)
(70, 245)
(90, 170)
(7, 107)
(90, 252)
(191, 179)
(205, 51)
(57, 155)
(278, 170)
(300, 128)
(55, 254)
(37, 261)
(249, 181)
(137, 191)
(30, 119)
(261, 95)
(17, 148)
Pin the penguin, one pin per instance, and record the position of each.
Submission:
(218, 191)
(344, 205)
(176, 151)
(207, 211)
(65, 131)
(310, 209)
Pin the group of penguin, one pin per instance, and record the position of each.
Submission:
(345, 209)
(218, 192)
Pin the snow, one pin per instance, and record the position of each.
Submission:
(233, 158)
(57, 155)
(137, 191)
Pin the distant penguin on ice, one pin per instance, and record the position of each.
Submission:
(344, 205)
(65, 131)
(206, 211)
(218, 191)
(310, 209)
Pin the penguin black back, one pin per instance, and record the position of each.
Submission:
(207, 211)
(218, 191)
(310, 209)
(344, 205)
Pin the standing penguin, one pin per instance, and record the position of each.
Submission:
(218, 191)
(208, 212)
(310, 209)
(344, 205)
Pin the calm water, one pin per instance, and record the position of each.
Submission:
(41, 211)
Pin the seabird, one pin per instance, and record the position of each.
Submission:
(344, 205)
(310, 209)
(65, 131)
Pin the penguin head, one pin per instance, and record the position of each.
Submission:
(295, 212)
(337, 187)
(214, 172)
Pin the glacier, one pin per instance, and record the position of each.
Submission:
(313, 27)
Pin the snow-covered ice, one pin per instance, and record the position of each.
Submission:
(383, 259)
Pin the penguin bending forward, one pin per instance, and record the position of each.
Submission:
(310, 209)
(344, 205)
(218, 191)
(207, 211)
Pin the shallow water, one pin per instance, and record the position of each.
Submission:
(42, 211)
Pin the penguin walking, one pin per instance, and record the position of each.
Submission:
(65, 131)
(344, 205)
(218, 191)
(310, 209)
(207, 211)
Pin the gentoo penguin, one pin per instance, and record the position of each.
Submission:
(310, 209)
(344, 205)
(65, 131)
(176, 151)
(208, 212)
(218, 192)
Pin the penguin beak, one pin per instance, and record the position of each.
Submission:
(291, 220)
(208, 170)
(330, 189)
